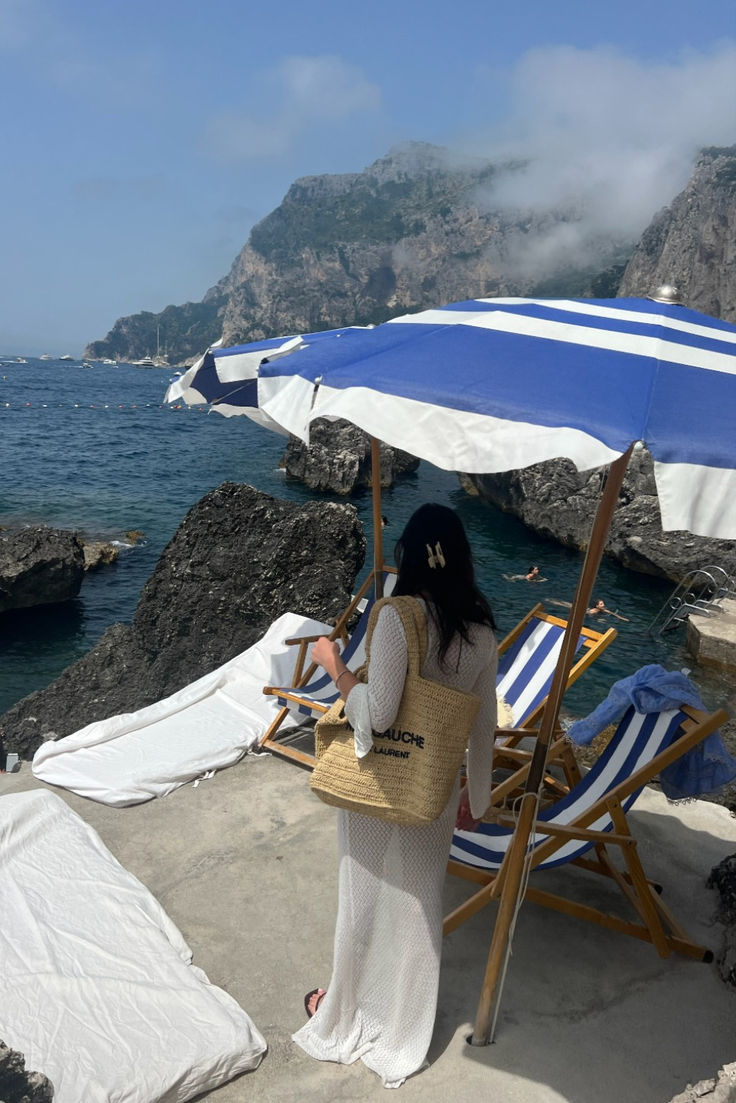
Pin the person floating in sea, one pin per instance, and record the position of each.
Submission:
(599, 607)
(533, 575)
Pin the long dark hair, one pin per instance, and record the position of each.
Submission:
(434, 534)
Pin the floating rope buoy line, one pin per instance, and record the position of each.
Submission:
(101, 406)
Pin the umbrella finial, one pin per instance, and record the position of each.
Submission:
(666, 293)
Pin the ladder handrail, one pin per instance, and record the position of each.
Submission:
(701, 591)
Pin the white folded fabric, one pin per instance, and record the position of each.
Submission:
(97, 986)
(205, 726)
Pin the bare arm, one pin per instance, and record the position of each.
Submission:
(326, 653)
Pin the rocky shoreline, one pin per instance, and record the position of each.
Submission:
(238, 560)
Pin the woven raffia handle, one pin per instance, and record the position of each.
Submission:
(415, 629)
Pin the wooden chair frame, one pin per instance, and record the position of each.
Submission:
(302, 677)
(654, 922)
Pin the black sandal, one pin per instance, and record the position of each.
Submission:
(320, 993)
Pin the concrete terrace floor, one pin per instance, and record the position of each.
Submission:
(244, 864)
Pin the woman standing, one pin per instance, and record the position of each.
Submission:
(381, 1001)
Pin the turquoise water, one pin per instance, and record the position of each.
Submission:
(95, 449)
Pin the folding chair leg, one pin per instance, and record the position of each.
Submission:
(282, 748)
(680, 940)
(492, 884)
(274, 727)
(302, 758)
(641, 897)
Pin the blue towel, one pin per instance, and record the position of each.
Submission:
(704, 769)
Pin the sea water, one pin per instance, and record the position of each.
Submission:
(95, 448)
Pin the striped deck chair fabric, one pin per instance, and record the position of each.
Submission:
(528, 657)
(320, 693)
(585, 828)
(638, 739)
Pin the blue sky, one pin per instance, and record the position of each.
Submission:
(142, 139)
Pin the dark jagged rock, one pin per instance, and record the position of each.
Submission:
(237, 562)
(39, 566)
(723, 879)
(719, 1089)
(338, 458)
(19, 1085)
(557, 501)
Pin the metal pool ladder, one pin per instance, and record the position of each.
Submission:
(701, 592)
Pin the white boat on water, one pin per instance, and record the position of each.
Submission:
(144, 362)
(66, 357)
(46, 356)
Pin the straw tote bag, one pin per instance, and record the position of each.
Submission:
(408, 775)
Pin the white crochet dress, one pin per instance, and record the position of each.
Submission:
(382, 998)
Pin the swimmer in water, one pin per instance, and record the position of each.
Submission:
(533, 575)
(599, 607)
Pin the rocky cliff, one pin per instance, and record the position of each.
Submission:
(179, 333)
(692, 243)
(411, 231)
(416, 230)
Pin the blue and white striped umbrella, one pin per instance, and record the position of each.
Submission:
(496, 384)
(227, 378)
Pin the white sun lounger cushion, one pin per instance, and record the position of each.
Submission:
(97, 986)
(207, 725)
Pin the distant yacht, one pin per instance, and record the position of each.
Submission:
(66, 357)
(145, 362)
(46, 356)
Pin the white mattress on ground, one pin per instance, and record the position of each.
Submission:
(206, 726)
(97, 988)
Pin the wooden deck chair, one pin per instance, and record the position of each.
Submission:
(527, 658)
(312, 691)
(592, 818)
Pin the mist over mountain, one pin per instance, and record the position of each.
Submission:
(421, 227)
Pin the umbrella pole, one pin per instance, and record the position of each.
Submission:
(510, 891)
(377, 528)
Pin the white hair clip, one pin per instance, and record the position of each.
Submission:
(435, 558)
